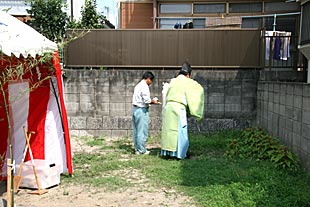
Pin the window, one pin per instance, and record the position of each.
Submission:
(175, 8)
(305, 28)
(199, 23)
(245, 7)
(250, 23)
(283, 23)
(209, 8)
(281, 6)
(169, 23)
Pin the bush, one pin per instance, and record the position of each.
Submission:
(256, 143)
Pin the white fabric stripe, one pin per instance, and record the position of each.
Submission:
(19, 103)
(55, 152)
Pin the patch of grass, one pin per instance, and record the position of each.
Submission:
(209, 177)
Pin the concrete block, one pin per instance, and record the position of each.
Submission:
(124, 123)
(233, 90)
(289, 113)
(72, 97)
(282, 98)
(102, 90)
(297, 115)
(87, 108)
(289, 124)
(119, 133)
(265, 95)
(297, 127)
(290, 89)
(155, 124)
(87, 98)
(94, 123)
(87, 89)
(215, 107)
(100, 98)
(232, 99)
(270, 106)
(117, 113)
(276, 108)
(103, 107)
(276, 97)
(117, 98)
(117, 107)
(283, 88)
(72, 88)
(72, 106)
(282, 110)
(270, 96)
(306, 90)
(215, 114)
(117, 86)
(306, 117)
(270, 87)
(216, 90)
(232, 75)
(215, 99)
(265, 105)
(77, 122)
(296, 140)
(276, 87)
(259, 86)
(304, 143)
(297, 101)
(281, 122)
(305, 130)
(306, 102)
(110, 122)
(216, 75)
(289, 100)
(298, 89)
(232, 108)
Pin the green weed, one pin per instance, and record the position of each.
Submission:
(210, 177)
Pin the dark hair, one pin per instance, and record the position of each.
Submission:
(186, 69)
(147, 75)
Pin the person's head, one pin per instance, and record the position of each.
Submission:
(148, 77)
(186, 69)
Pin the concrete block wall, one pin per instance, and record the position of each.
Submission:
(283, 108)
(99, 101)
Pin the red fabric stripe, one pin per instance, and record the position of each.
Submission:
(38, 101)
(56, 63)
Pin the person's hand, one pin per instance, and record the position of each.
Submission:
(155, 100)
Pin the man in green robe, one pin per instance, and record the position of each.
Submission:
(184, 96)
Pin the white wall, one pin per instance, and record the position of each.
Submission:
(77, 5)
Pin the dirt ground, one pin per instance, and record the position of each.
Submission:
(142, 193)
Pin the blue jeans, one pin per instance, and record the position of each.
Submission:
(140, 123)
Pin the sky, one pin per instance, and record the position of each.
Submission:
(108, 8)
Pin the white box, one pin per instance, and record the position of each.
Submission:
(48, 175)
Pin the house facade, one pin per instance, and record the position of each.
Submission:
(17, 8)
(169, 14)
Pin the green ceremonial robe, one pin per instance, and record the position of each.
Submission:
(183, 93)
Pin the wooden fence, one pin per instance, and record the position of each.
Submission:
(164, 48)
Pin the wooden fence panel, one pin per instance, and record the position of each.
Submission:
(165, 48)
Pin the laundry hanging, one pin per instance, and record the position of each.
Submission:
(277, 45)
